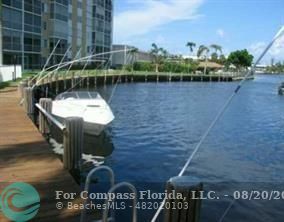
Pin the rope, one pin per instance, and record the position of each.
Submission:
(84, 78)
(219, 115)
(227, 210)
(117, 81)
(65, 64)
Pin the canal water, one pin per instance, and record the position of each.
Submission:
(158, 125)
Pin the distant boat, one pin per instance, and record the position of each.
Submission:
(281, 89)
(88, 105)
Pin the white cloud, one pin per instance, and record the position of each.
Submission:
(220, 33)
(276, 51)
(147, 15)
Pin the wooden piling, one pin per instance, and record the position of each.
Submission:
(81, 81)
(64, 81)
(29, 100)
(50, 80)
(105, 80)
(73, 143)
(46, 104)
(56, 84)
(72, 80)
(175, 209)
(21, 87)
(88, 80)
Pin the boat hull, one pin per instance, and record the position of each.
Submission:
(95, 112)
(93, 128)
(89, 128)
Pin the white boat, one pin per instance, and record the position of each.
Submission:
(88, 105)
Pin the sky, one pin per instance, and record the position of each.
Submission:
(233, 24)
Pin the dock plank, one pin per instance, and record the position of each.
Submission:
(25, 156)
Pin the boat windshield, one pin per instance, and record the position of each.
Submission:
(77, 95)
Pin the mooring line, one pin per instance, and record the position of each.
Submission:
(227, 210)
(221, 112)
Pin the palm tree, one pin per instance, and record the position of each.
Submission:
(191, 46)
(158, 54)
(133, 53)
(203, 50)
(216, 47)
(164, 53)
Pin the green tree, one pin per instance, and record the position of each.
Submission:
(191, 46)
(133, 53)
(159, 55)
(214, 57)
(217, 48)
(203, 50)
(222, 59)
(240, 59)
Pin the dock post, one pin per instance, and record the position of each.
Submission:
(105, 80)
(72, 80)
(46, 104)
(50, 80)
(29, 100)
(80, 81)
(64, 81)
(56, 84)
(88, 80)
(190, 189)
(21, 87)
(73, 143)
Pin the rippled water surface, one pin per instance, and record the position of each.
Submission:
(157, 127)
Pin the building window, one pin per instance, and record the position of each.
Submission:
(13, 3)
(45, 43)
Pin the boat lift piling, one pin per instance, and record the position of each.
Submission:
(46, 104)
(176, 210)
(73, 143)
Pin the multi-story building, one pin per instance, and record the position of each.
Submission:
(30, 29)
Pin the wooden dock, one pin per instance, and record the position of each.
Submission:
(25, 156)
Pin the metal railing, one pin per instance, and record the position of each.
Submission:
(50, 117)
